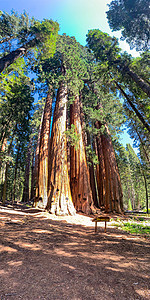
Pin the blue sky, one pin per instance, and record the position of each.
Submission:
(75, 17)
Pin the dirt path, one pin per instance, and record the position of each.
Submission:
(45, 257)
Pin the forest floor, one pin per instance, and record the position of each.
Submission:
(43, 256)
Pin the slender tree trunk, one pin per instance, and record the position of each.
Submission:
(5, 185)
(138, 114)
(143, 147)
(79, 173)
(146, 189)
(59, 193)
(26, 192)
(15, 176)
(43, 153)
(5, 175)
(140, 82)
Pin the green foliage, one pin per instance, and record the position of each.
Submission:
(132, 18)
(66, 65)
(105, 48)
(91, 156)
(37, 37)
(129, 205)
(131, 173)
(11, 28)
(45, 33)
(111, 70)
(73, 137)
(135, 228)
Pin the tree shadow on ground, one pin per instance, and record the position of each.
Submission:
(49, 259)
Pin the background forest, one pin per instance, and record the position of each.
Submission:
(63, 107)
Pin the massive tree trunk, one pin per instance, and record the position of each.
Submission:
(109, 184)
(59, 193)
(36, 165)
(42, 172)
(92, 171)
(100, 172)
(79, 173)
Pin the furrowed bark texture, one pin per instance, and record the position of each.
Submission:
(36, 166)
(92, 172)
(43, 153)
(79, 173)
(59, 193)
(109, 184)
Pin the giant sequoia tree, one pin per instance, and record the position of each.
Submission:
(71, 74)
(73, 150)
(79, 173)
(59, 193)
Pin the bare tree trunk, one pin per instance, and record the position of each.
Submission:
(59, 193)
(79, 173)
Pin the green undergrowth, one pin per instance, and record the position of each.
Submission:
(139, 227)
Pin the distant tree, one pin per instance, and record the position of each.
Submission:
(132, 17)
(16, 100)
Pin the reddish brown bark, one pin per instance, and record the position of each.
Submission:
(59, 193)
(79, 173)
(100, 172)
(43, 153)
(109, 178)
(36, 166)
(92, 172)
